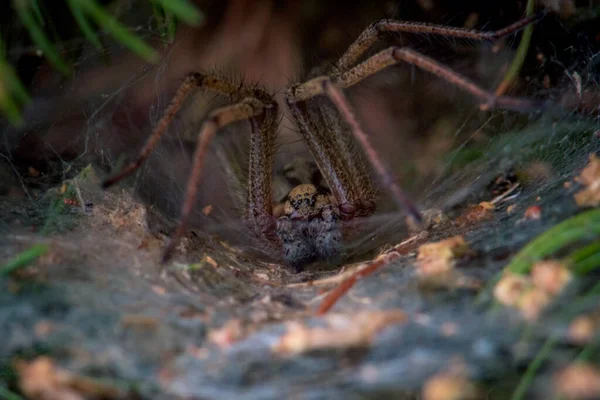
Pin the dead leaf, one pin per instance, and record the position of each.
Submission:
(41, 379)
(589, 177)
(207, 210)
(551, 276)
(533, 302)
(447, 249)
(510, 288)
(228, 334)
(343, 332)
(448, 386)
(584, 328)
(475, 213)
(533, 213)
(578, 381)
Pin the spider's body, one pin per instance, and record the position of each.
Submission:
(310, 228)
(310, 225)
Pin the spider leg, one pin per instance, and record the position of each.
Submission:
(340, 167)
(259, 207)
(371, 34)
(324, 86)
(191, 82)
(246, 109)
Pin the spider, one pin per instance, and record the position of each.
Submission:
(309, 225)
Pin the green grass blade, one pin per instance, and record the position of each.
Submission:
(183, 10)
(119, 31)
(7, 104)
(37, 11)
(587, 265)
(84, 24)
(580, 227)
(521, 53)
(28, 18)
(533, 367)
(23, 259)
(14, 83)
(6, 394)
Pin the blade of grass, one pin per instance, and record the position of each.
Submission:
(12, 91)
(548, 346)
(533, 367)
(37, 11)
(183, 10)
(23, 259)
(159, 16)
(84, 24)
(14, 84)
(28, 18)
(6, 394)
(119, 31)
(521, 53)
(582, 226)
(8, 106)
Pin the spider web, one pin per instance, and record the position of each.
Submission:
(105, 270)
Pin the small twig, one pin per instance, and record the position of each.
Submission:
(339, 291)
(501, 197)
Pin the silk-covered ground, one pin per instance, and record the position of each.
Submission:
(99, 304)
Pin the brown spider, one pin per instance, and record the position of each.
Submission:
(308, 226)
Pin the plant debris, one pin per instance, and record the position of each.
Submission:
(440, 256)
(580, 381)
(343, 331)
(476, 213)
(449, 386)
(590, 178)
(41, 379)
(531, 294)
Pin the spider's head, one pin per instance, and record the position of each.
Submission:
(304, 202)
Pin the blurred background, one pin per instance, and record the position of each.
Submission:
(104, 109)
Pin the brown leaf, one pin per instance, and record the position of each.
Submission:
(510, 288)
(578, 381)
(476, 213)
(551, 276)
(584, 328)
(438, 257)
(342, 332)
(533, 302)
(589, 177)
(41, 379)
(448, 386)
(447, 249)
(228, 334)
(533, 212)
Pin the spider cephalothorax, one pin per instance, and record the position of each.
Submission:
(310, 226)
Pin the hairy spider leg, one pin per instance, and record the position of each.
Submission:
(371, 34)
(324, 85)
(247, 108)
(193, 81)
(250, 103)
(350, 205)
